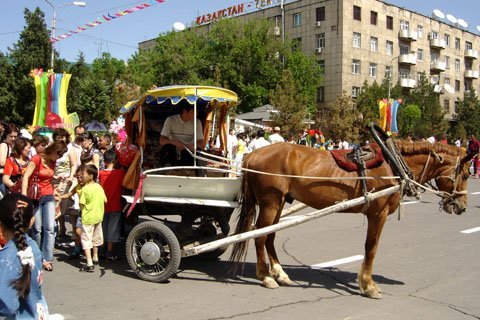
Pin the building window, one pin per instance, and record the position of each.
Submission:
(457, 85)
(321, 64)
(404, 48)
(321, 40)
(420, 54)
(434, 35)
(355, 92)
(447, 62)
(457, 64)
(468, 45)
(446, 105)
(404, 25)
(434, 56)
(420, 31)
(447, 40)
(389, 23)
(356, 66)
(357, 13)
(373, 17)
(373, 70)
(389, 48)
(404, 73)
(388, 71)
(457, 43)
(447, 80)
(373, 44)
(321, 94)
(468, 84)
(297, 19)
(321, 14)
(357, 40)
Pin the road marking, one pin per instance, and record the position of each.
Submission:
(411, 202)
(471, 230)
(337, 262)
(475, 193)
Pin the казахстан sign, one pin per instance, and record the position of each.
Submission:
(223, 13)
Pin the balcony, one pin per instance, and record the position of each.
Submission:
(437, 43)
(438, 66)
(471, 74)
(410, 59)
(471, 54)
(407, 35)
(408, 83)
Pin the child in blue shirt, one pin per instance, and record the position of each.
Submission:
(21, 262)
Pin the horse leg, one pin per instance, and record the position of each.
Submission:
(276, 269)
(375, 226)
(266, 217)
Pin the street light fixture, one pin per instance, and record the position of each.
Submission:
(54, 22)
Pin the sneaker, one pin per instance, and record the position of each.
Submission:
(87, 268)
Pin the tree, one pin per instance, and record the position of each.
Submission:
(7, 89)
(308, 76)
(79, 71)
(432, 118)
(92, 99)
(289, 103)
(343, 122)
(409, 117)
(468, 114)
(31, 51)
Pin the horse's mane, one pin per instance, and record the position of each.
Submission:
(408, 147)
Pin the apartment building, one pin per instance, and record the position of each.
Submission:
(364, 40)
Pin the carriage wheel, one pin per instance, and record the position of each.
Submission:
(209, 223)
(153, 251)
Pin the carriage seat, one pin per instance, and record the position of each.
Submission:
(370, 154)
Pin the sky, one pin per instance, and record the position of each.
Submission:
(120, 37)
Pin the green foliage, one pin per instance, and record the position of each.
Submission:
(432, 118)
(289, 103)
(468, 115)
(31, 51)
(343, 122)
(7, 88)
(91, 101)
(408, 119)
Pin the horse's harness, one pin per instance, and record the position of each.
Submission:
(412, 187)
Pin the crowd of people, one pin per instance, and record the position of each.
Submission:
(43, 181)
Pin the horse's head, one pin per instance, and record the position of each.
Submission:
(452, 181)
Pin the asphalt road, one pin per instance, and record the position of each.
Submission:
(426, 267)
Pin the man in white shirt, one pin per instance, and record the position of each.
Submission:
(177, 134)
(276, 137)
(259, 141)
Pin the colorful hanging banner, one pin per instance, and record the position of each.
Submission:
(388, 114)
(106, 18)
(51, 98)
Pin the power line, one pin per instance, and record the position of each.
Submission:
(11, 32)
(101, 39)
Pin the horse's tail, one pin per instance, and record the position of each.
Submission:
(245, 221)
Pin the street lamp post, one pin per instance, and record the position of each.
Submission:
(390, 76)
(54, 23)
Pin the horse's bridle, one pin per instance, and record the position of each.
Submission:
(446, 196)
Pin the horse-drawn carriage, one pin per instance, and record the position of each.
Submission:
(271, 176)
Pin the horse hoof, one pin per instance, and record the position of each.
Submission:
(270, 283)
(373, 294)
(377, 288)
(284, 281)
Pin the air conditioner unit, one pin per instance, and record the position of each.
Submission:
(318, 50)
(318, 23)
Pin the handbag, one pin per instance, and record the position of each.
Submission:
(33, 191)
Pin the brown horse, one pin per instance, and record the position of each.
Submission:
(446, 164)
